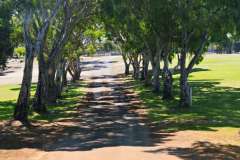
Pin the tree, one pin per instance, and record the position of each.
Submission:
(36, 22)
(197, 25)
(72, 13)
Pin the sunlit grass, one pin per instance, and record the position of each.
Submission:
(222, 68)
(7, 92)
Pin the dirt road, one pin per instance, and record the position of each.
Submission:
(108, 126)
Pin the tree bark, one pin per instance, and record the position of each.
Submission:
(167, 80)
(145, 73)
(177, 67)
(46, 89)
(136, 71)
(59, 78)
(136, 66)
(39, 104)
(156, 74)
(156, 67)
(185, 91)
(22, 107)
(64, 76)
(126, 64)
(75, 69)
(51, 85)
(127, 69)
(185, 99)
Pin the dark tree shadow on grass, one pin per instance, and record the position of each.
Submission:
(178, 71)
(213, 106)
(6, 109)
(33, 88)
(193, 70)
(65, 106)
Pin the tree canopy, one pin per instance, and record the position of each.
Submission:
(6, 46)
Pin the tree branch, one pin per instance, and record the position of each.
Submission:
(198, 52)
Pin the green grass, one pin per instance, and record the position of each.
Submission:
(63, 109)
(8, 98)
(216, 97)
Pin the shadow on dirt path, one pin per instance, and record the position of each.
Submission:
(110, 115)
(107, 118)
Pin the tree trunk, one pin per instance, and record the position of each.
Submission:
(136, 71)
(51, 85)
(145, 75)
(39, 104)
(156, 66)
(176, 68)
(64, 76)
(156, 74)
(142, 72)
(136, 66)
(156, 78)
(126, 64)
(46, 89)
(185, 91)
(22, 107)
(167, 80)
(127, 69)
(75, 69)
(59, 78)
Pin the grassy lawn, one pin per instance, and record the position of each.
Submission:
(63, 109)
(216, 98)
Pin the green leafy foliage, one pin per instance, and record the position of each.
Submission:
(6, 47)
(20, 51)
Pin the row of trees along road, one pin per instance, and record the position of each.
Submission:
(49, 28)
(155, 31)
(145, 32)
